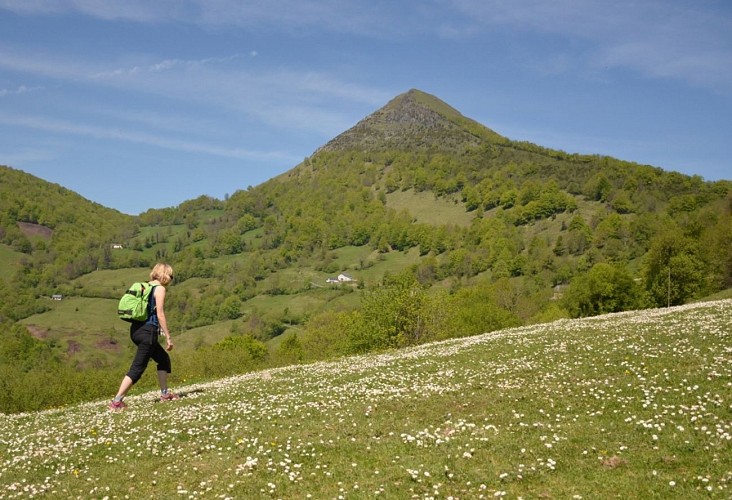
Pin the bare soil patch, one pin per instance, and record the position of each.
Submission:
(37, 331)
(35, 230)
(108, 345)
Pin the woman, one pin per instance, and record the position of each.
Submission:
(145, 336)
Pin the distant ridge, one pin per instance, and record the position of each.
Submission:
(414, 120)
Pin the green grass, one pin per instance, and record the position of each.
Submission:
(85, 329)
(425, 208)
(202, 336)
(353, 259)
(632, 405)
(109, 283)
(9, 260)
(302, 304)
(389, 263)
(724, 294)
(292, 279)
(208, 215)
(169, 231)
(68, 313)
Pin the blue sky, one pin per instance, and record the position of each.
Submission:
(179, 98)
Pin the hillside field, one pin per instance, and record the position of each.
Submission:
(629, 405)
(10, 261)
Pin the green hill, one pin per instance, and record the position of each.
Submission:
(630, 405)
(446, 227)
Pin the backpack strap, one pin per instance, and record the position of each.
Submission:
(151, 305)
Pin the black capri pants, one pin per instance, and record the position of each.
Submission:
(145, 337)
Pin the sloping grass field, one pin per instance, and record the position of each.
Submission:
(9, 260)
(426, 208)
(631, 405)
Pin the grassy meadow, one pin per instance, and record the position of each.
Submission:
(10, 260)
(630, 405)
(427, 208)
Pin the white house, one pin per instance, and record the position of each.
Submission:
(117, 245)
(342, 278)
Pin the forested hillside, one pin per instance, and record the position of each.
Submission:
(446, 227)
(51, 235)
(540, 215)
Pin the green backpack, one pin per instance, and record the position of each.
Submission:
(134, 304)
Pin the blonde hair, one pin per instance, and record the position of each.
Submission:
(162, 272)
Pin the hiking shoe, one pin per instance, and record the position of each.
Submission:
(117, 405)
(170, 396)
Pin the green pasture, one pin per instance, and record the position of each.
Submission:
(291, 279)
(211, 334)
(9, 260)
(303, 304)
(109, 283)
(354, 259)
(208, 215)
(164, 231)
(252, 239)
(426, 208)
(202, 336)
(85, 329)
(389, 263)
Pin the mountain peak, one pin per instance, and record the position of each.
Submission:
(414, 120)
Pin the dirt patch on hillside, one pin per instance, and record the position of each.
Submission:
(37, 332)
(74, 347)
(108, 344)
(31, 230)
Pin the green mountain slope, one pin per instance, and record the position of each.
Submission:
(59, 234)
(447, 228)
(530, 211)
(634, 405)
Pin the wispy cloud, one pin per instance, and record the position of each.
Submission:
(659, 39)
(285, 98)
(162, 66)
(96, 132)
(56, 66)
(655, 38)
(19, 90)
(131, 10)
(333, 15)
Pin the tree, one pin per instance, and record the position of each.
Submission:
(243, 344)
(579, 237)
(474, 312)
(392, 315)
(290, 350)
(672, 270)
(598, 188)
(621, 202)
(603, 289)
(326, 335)
(231, 307)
